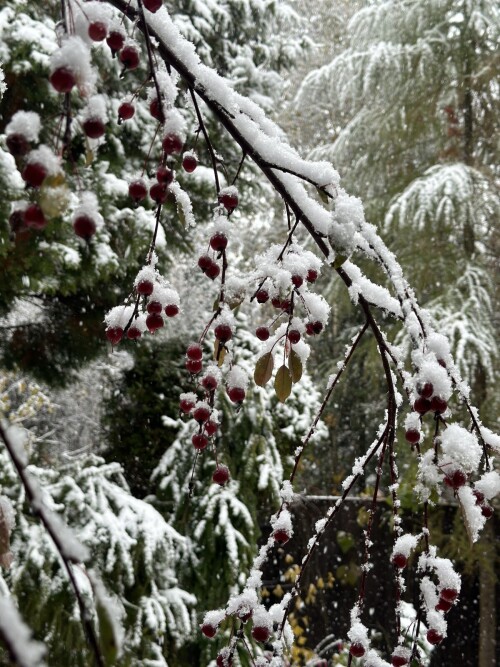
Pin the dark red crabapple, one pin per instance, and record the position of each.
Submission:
(281, 536)
(144, 287)
(171, 310)
(164, 175)
(276, 302)
(172, 143)
(158, 193)
(189, 163)
(286, 305)
(438, 405)
(205, 262)
(209, 382)
(194, 351)
(297, 280)
(443, 605)
(412, 435)
(186, 405)
(207, 629)
(154, 307)
(229, 201)
(262, 333)
(236, 394)
(221, 661)
(152, 5)
(262, 296)
(479, 496)
(357, 650)
(154, 322)
(449, 594)
(200, 441)
(115, 40)
(312, 276)
(129, 57)
(398, 660)
(399, 560)
(294, 336)
(218, 242)
(114, 335)
(422, 405)
(487, 510)
(201, 414)
(211, 428)
(223, 332)
(126, 111)
(221, 475)
(133, 333)
(455, 479)
(434, 637)
(97, 31)
(34, 217)
(213, 271)
(93, 127)
(261, 633)
(84, 226)
(34, 173)
(425, 389)
(155, 109)
(317, 327)
(62, 80)
(17, 144)
(194, 366)
(137, 190)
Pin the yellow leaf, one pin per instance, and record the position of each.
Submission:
(219, 352)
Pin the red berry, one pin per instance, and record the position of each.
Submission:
(171, 310)
(189, 163)
(357, 650)
(422, 405)
(281, 536)
(114, 335)
(17, 144)
(155, 109)
(186, 405)
(158, 193)
(126, 110)
(93, 128)
(456, 479)
(425, 390)
(294, 336)
(200, 441)
(34, 173)
(221, 475)
(223, 332)
(487, 510)
(164, 175)
(207, 629)
(399, 560)
(434, 637)
(438, 405)
(479, 495)
(442, 363)
(84, 226)
(209, 382)
(236, 394)
(205, 262)
(144, 287)
(138, 190)
(297, 280)
(129, 57)
(443, 605)
(229, 201)
(309, 329)
(262, 296)
(261, 633)
(211, 428)
(97, 31)
(317, 327)
(223, 661)
(154, 322)
(218, 242)
(194, 366)
(154, 307)
(115, 40)
(201, 414)
(286, 305)
(398, 660)
(152, 5)
(312, 276)
(34, 217)
(262, 333)
(62, 80)
(172, 143)
(449, 594)
(213, 271)
(412, 435)
(276, 302)
(194, 351)
(134, 333)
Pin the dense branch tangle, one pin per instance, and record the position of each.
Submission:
(337, 230)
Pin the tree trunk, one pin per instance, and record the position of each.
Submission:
(487, 599)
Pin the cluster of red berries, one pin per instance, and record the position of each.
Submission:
(426, 402)
(486, 508)
(260, 631)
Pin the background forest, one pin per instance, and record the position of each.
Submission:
(402, 97)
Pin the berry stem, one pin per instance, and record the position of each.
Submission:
(207, 138)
